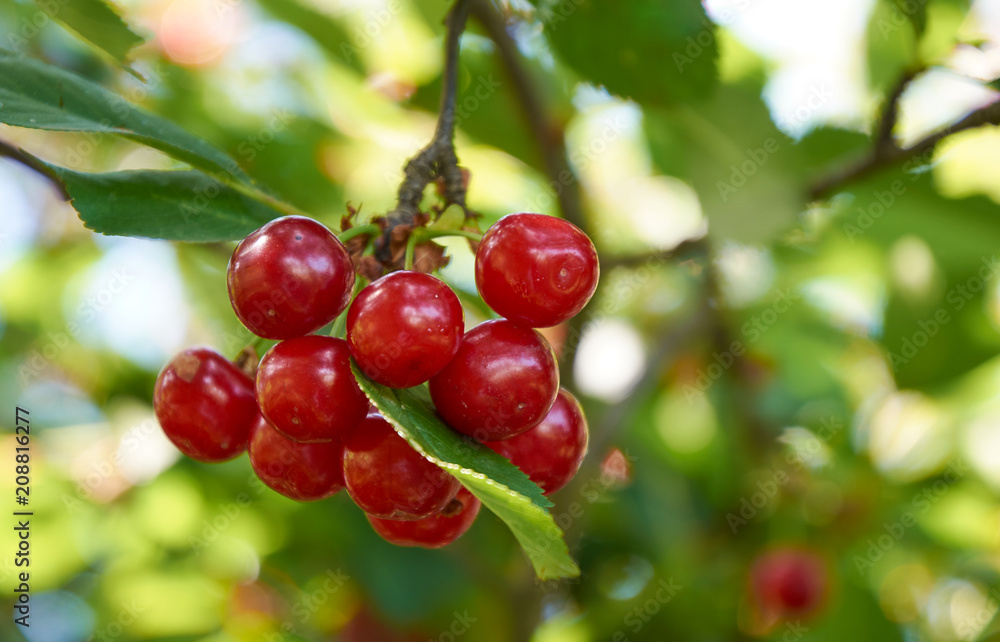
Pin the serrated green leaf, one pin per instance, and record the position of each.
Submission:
(171, 205)
(36, 95)
(97, 22)
(499, 485)
(658, 52)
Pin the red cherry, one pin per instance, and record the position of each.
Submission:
(205, 405)
(389, 479)
(303, 472)
(289, 278)
(502, 381)
(434, 531)
(306, 389)
(404, 327)
(551, 452)
(789, 581)
(536, 270)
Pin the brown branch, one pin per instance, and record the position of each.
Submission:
(884, 140)
(17, 154)
(878, 160)
(686, 249)
(548, 134)
(438, 159)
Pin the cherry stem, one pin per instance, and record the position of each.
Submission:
(438, 159)
(433, 234)
(411, 247)
(360, 230)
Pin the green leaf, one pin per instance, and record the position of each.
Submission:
(171, 205)
(96, 22)
(658, 52)
(40, 96)
(500, 486)
(737, 159)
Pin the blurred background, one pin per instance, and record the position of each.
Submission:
(795, 344)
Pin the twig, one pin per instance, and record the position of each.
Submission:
(686, 249)
(548, 134)
(438, 158)
(890, 113)
(17, 154)
(988, 115)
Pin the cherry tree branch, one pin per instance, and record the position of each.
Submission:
(686, 249)
(548, 134)
(886, 153)
(884, 140)
(438, 159)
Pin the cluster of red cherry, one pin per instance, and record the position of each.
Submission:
(310, 430)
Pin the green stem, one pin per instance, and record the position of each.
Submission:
(360, 230)
(433, 234)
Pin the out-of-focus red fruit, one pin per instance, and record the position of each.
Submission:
(788, 582)
(616, 470)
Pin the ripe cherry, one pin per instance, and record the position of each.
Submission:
(502, 381)
(789, 581)
(536, 270)
(404, 328)
(306, 389)
(551, 452)
(303, 472)
(289, 278)
(389, 479)
(434, 531)
(205, 405)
